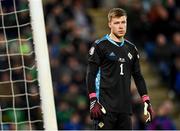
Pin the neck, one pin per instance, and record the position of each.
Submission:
(115, 38)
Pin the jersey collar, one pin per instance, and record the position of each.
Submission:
(113, 42)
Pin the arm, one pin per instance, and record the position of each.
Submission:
(141, 87)
(138, 78)
(92, 70)
(94, 60)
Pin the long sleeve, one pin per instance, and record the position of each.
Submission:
(94, 60)
(138, 78)
(92, 70)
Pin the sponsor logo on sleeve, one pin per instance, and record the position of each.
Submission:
(91, 51)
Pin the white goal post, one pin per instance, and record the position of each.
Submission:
(42, 57)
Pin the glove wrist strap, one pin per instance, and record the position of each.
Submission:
(145, 98)
(92, 95)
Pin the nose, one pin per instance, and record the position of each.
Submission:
(120, 26)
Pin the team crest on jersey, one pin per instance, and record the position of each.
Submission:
(91, 51)
(129, 55)
(101, 124)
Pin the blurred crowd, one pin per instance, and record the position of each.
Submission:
(153, 25)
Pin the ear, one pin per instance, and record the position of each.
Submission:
(109, 24)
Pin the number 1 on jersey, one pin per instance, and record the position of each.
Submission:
(121, 69)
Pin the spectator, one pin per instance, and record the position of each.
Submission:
(163, 121)
(175, 77)
(162, 56)
(74, 123)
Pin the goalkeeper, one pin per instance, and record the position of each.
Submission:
(112, 61)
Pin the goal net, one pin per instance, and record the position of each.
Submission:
(23, 102)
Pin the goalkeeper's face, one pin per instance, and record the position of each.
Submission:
(118, 26)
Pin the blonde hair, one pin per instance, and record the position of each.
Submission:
(116, 12)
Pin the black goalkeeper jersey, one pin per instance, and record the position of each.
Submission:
(110, 67)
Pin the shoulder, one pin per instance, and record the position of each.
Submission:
(101, 41)
(130, 45)
(98, 45)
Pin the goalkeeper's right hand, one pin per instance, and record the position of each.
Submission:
(96, 109)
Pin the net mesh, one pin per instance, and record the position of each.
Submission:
(19, 90)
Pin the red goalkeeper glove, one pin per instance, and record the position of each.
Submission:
(96, 109)
(148, 110)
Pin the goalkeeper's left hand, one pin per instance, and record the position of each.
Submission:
(148, 110)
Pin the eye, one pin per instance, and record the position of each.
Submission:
(123, 22)
(116, 22)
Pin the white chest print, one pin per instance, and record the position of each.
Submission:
(121, 59)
